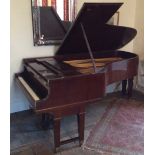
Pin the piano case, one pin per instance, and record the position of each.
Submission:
(86, 62)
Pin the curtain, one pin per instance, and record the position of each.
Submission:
(68, 7)
(66, 10)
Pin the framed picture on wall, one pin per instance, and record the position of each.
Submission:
(51, 20)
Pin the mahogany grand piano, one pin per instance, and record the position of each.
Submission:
(87, 61)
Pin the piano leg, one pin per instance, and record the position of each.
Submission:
(57, 120)
(81, 119)
(124, 83)
(130, 86)
(56, 133)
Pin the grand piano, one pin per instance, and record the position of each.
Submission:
(87, 61)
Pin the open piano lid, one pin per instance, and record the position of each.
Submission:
(51, 26)
(101, 36)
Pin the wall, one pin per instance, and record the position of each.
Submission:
(139, 25)
(22, 43)
(139, 43)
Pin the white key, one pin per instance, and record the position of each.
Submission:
(29, 89)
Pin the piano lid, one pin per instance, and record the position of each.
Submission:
(101, 36)
(51, 26)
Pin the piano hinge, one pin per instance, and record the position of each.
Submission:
(88, 46)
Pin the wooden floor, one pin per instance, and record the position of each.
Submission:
(27, 137)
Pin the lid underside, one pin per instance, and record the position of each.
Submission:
(51, 26)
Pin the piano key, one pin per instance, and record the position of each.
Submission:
(29, 89)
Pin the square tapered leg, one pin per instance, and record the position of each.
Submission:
(124, 84)
(56, 133)
(81, 121)
(130, 86)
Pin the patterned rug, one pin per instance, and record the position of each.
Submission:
(120, 131)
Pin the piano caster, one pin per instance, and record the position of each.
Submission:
(80, 142)
(56, 149)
